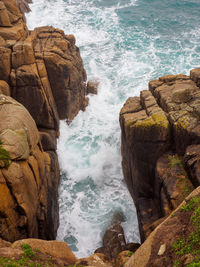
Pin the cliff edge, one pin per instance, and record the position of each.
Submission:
(43, 71)
(161, 152)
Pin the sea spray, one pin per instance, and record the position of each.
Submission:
(124, 44)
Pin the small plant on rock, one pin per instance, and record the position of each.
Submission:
(174, 160)
(28, 252)
(4, 157)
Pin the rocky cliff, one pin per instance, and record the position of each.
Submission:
(43, 71)
(160, 153)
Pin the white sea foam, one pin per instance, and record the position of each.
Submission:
(124, 59)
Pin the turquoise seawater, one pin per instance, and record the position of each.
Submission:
(124, 44)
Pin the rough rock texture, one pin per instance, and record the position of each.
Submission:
(43, 70)
(57, 249)
(160, 133)
(115, 248)
(95, 260)
(113, 241)
(26, 186)
(44, 253)
(176, 241)
(92, 87)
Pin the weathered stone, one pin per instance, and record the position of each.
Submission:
(180, 99)
(16, 32)
(4, 88)
(5, 55)
(162, 250)
(95, 260)
(41, 67)
(15, 118)
(23, 53)
(173, 181)
(4, 17)
(174, 228)
(35, 95)
(64, 68)
(15, 141)
(195, 76)
(92, 87)
(171, 78)
(145, 136)
(122, 258)
(30, 176)
(11, 253)
(57, 249)
(8, 213)
(132, 246)
(45, 253)
(4, 243)
(113, 241)
(165, 119)
(48, 139)
(192, 163)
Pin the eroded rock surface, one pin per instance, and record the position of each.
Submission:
(160, 146)
(36, 252)
(42, 70)
(175, 241)
(26, 186)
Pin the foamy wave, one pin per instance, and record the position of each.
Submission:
(124, 53)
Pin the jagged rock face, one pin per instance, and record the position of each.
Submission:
(12, 26)
(43, 70)
(158, 129)
(26, 185)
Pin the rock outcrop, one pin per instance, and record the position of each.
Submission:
(36, 252)
(26, 186)
(160, 146)
(176, 241)
(42, 70)
(114, 242)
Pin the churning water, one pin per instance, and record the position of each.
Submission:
(123, 43)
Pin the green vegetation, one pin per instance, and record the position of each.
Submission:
(183, 122)
(176, 263)
(28, 252)
(4, 156)
(130, 253)
(194, 264)
(174, 160)
(183, 183)
(29, 258)
(190, 244)
(155, 120)
(193, 202)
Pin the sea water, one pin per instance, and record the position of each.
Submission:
(124, 44)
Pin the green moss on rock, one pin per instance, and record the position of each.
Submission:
(189, 244)
(155, 120)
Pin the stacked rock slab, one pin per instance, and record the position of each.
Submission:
(160, 132)
(42, 70)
